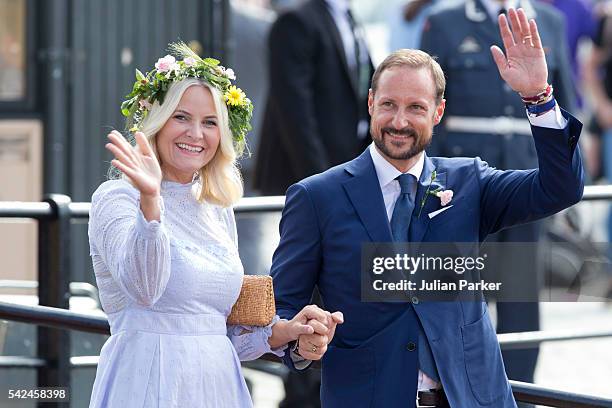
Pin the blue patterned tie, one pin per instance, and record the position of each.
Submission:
(400, 225)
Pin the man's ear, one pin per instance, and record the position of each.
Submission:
(370, 101)
(439, 111)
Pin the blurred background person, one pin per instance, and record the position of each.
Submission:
(405, 21)
(598, 80)
(319, 72)
(485, 118)
(580, 25)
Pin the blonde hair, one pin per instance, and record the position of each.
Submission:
(220, 179)
(413, 59)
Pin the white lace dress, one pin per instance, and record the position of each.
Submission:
(167, 288)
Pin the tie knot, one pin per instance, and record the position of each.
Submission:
(405, 182)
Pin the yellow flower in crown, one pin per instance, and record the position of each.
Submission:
(235, 96)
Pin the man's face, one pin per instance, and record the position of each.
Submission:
(404, 112)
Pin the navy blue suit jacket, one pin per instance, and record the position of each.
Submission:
(328, 216)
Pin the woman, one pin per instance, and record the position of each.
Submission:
(164, 247)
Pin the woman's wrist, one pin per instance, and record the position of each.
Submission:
(280, 334)
(149, 205)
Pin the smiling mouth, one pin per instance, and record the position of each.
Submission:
(399, 135)
(189, 148)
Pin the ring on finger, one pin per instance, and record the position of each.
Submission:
(313, 349)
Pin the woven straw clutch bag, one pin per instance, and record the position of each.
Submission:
(255, 305)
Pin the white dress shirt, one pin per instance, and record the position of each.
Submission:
(338, 9)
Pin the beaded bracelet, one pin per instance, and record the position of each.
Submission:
(540, 98)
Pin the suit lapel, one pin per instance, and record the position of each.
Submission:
(363, 190)
(330, 24)
(426, 202)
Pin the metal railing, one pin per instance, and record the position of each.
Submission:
(512, 341)
(53, 363)
(64, 319)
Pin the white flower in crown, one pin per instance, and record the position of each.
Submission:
(189, 61)
(229, 73)
(445, 196)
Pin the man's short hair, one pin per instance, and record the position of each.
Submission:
(413, 59)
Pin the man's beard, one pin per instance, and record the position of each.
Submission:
(419, 143)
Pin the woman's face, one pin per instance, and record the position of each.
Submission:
(190, 138)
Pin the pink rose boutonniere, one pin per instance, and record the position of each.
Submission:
(445, 197)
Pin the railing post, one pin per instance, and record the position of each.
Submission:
(53, 290)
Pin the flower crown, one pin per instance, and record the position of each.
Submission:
(153, 85)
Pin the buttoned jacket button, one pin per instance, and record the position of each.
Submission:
(414, 300)
(411, 346)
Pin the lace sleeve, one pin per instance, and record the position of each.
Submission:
(135, 251)
(252, 342)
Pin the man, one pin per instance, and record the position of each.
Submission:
(486, 118)
(377, 358)
(316, 114)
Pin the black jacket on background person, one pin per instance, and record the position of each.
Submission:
(313, 106)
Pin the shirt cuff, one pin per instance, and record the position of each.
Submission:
(299, 362)
(552, 119)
